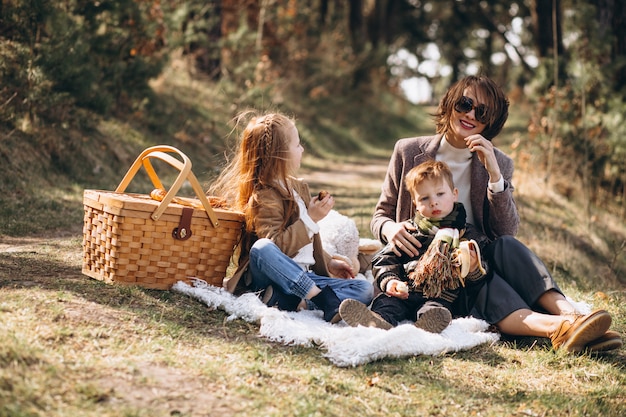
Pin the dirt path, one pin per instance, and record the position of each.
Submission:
(366, 174)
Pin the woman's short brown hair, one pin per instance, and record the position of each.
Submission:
(494, 98)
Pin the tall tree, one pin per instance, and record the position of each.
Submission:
(611, 16)
(546, 17)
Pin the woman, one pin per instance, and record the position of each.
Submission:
(472, 113)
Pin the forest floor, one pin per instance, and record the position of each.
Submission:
(75, 346)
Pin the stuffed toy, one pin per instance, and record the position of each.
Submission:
(340, 238)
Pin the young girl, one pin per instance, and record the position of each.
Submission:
(281, 254)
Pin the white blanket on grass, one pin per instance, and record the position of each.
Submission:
(343, 345)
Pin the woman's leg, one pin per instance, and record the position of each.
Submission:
(555, 303)
(527, 275)
(496, 302)
(572, 334)
(526, 322)
(492, 300)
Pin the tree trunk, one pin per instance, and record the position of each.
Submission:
(356, 26)
(611, 16)
(543, 29)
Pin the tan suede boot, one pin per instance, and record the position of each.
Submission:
(574, 335)
(608, 341)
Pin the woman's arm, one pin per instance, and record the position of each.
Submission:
(503, 217)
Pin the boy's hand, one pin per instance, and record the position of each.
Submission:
(474, 260)
(398, 289)
(468, 259)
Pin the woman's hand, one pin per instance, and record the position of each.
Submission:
(486, 155)
(398, 289)
(340, 268)
(318, 209)
(400, 236)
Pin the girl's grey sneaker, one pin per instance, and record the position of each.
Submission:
(355, 313)
(434, 320)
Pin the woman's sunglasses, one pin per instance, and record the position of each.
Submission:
(466, 104)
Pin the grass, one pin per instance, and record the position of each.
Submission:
(73, 346)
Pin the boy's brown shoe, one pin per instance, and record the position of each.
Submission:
(355, 313)
(434, 320)
(573, 336)
(608, 341)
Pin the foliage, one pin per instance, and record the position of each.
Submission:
(579, 124)
(65, 62)
(96, 55)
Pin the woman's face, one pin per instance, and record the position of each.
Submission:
(463, 124)
(294, 148)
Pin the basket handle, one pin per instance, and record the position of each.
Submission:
(162, 152)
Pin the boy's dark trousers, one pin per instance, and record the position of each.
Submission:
(395, 310)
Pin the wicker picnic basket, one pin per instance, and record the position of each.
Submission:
(136, 239)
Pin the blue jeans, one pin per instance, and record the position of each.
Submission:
(270, 266)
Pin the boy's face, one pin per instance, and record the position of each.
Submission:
(435, 199)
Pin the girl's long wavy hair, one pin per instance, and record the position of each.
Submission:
(495, 100)
(260, 162)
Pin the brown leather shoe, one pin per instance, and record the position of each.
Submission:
(608, 341)
(574, 335)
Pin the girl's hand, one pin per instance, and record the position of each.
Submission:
(398, 289)
(340, 268)
(399, 235)
(318, 209)
(486, 155)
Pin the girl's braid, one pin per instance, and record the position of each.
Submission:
(267, 134)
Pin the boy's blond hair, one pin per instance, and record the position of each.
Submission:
(429, 170)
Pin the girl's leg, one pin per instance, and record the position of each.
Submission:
(356, 289)
(527, 275)
(270, 266)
